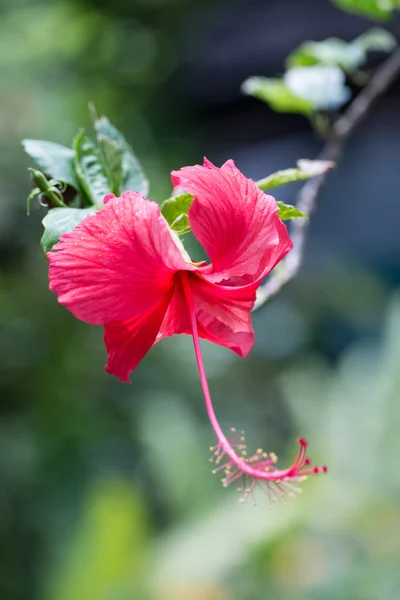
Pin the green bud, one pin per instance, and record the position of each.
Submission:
(39, 179)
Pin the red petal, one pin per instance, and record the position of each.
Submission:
(128, 341)
(223, 314)
(234, 221)
(117, 263)
(215, 331)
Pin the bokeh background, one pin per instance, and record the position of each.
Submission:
(106, 492)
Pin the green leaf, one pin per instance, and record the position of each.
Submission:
(376, 40)
(59, 221)
(374, 9)
(112, 155)
(277, 95)
(305, 170)
(331, 51)
(90, 170)
(287, 212)
(133, 177)
(347, 56)
(175, 211)
(55, 160)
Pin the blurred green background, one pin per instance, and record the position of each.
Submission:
(106, 491)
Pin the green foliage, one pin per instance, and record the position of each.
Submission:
(331, 51)
(305, 170)
(380, 10)
(115, 147)
(109, 550)
(303, 89)
(55, 160)
(349, 56)
(112, 156)
(277, 95)
(90, 170)
(175, 210)
(287, 212)
(314, 79)
(59, 221)
(48, 190)
(376, 40)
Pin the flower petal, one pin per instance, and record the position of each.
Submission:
(272, 256)
(117, 263)
(233, 220)
(223, 314)
(128, 341)
(213, 330)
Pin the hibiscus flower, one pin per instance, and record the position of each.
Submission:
(125, 269)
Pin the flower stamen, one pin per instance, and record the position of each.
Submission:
(259, 468)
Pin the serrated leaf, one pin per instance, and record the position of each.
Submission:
(59, 221)
(175, 211)
(332, 51)
(132, 173)
(90, 170)
(55, 160)
(374, 9)
(287, 212)
(305, 170)
(277, 95)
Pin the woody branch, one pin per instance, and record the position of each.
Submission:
(341, 132)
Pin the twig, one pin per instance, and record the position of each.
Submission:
(342, 130)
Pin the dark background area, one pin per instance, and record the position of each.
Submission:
(106, 492)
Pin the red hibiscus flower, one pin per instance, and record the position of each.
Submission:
(123, 268)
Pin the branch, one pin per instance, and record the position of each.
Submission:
(342, 130)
